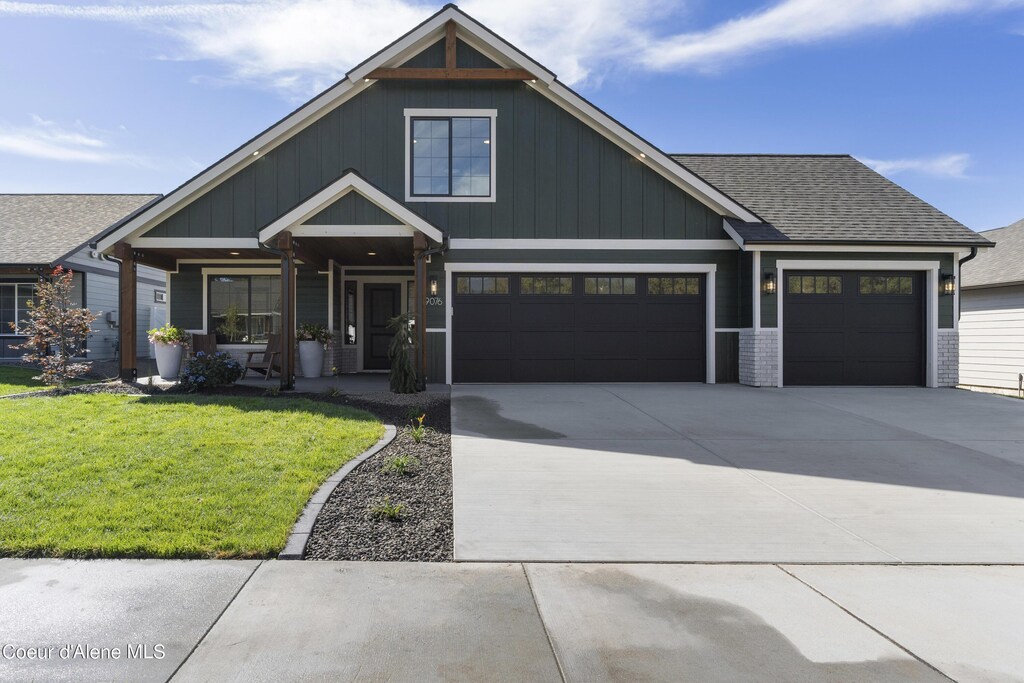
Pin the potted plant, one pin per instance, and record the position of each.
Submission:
(170, 343)
(313, 340)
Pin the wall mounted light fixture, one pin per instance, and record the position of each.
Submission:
(433, 285)
(769, 283)
(949, 284)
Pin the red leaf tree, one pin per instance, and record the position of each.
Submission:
(56, 330)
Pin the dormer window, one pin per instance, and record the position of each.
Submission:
(450, 155)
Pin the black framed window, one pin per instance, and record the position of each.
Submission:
(244, 309)
(481, 284)
(14, 298)
(886, 284)
(609, 285)
(674, 286)
(545, 284)
(815, 284)
(451, 156)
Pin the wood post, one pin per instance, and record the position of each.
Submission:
(284, 243)
(127, 307)
(419, 245)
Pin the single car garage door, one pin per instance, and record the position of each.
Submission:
(578, 327)
(853, 328)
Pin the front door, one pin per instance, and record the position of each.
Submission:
(381, 302)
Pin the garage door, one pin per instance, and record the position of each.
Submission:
(853, 328)
(578, 328)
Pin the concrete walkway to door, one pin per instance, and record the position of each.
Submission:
(694, 473)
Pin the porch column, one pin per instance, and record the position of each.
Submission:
(284, 243)
(419, 245)
(127, 305)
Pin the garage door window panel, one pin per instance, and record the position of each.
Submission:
(545, 285)
(609, 285)
(674, 286)
(481, 285)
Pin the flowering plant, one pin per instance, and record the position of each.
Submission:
(311, 332)
(170, 335)
(209, 370)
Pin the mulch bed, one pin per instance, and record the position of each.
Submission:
(347, 529)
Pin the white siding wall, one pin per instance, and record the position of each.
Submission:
(101, 297)
(992, 336)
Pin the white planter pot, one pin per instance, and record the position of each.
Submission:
(311, 358)
(168, 360)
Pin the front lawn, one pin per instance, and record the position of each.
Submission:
(166, 476)
(17, 379)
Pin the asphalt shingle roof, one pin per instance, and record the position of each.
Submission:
(1003, 265)
(825, 198)
(39, 229)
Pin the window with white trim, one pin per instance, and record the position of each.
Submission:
(14, 298)
(450, 155)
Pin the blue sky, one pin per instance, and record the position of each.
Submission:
(137, 98)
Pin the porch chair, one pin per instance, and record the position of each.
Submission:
(270, 358)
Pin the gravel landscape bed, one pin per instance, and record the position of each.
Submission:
(347, 529)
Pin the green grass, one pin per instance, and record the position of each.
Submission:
(15, 379)
(166, 476)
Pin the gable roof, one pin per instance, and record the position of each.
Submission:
(415, 41)
(825, 198)
(1001, 266)
(44, 229)
(349, 182)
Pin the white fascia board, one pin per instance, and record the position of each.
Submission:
(839, 264)
(353, 231)
(196, 243)
(729, 230)
(596, 244)
(632, 143)
(850, 248)
(350, 182)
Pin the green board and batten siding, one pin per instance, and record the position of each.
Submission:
(556, 177)
(352, 209)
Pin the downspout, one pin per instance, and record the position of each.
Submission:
(422, 296)
(960, 270)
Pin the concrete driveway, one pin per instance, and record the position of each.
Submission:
(693, 473)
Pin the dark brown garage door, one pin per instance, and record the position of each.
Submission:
(578, 328)
(853, 328)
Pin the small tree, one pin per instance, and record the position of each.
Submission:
(232, 327)
(403, 371)
(56, 330)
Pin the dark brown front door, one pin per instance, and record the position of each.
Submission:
(381, 304)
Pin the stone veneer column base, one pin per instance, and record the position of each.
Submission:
(759, 357)
(948, 360)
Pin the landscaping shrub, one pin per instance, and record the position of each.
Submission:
(206, 371)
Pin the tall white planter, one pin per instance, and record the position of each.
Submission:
(311, 358)
(168, 360)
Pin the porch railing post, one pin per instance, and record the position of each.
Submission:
(127, 305)
(284, 243)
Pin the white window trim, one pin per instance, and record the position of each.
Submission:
(708, 269)
(5, 330)
(231, 271)
(931, 268)
(491, 114)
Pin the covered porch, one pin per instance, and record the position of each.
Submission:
(349, 258)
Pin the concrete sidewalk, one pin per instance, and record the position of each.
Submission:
(344, 621)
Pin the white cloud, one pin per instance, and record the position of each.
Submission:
(48, 140)
(798, 22)
(943, 165)
(300, 46)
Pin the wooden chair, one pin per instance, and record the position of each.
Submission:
(205, 343)
(270, 358)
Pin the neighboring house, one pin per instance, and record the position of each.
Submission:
(539, 240)
(992, 313)
(41, 231)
